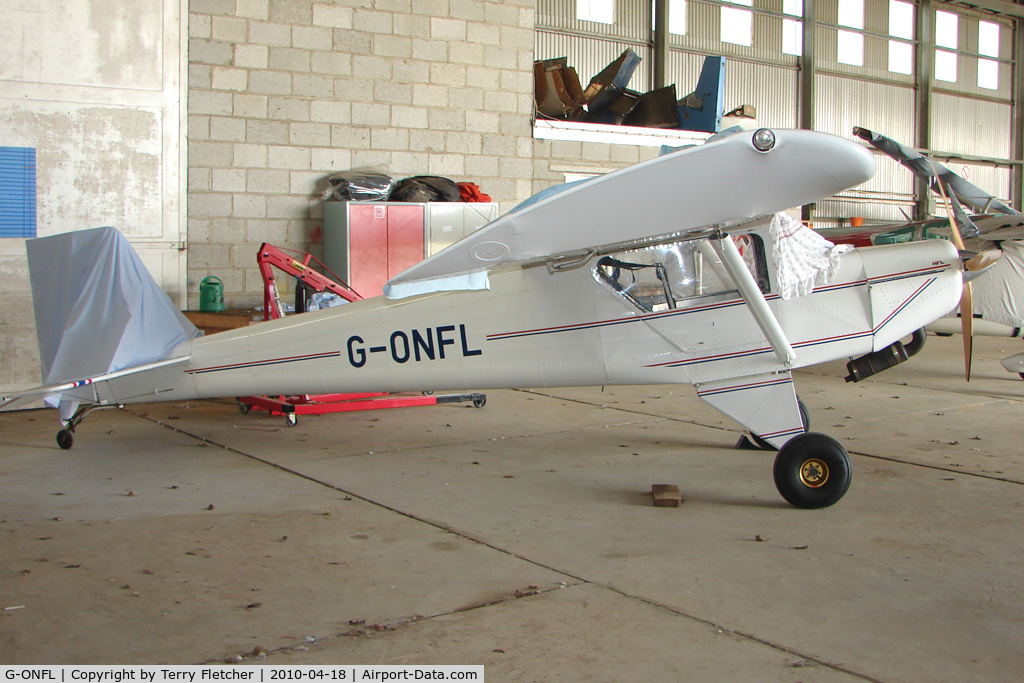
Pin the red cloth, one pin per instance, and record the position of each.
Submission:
(470, 192)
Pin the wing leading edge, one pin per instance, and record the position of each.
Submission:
(719, 184)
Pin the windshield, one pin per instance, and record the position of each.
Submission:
(673, 275)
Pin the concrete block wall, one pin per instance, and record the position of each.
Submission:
(282, 93)
(553, 159)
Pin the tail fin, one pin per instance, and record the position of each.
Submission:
(97, 308)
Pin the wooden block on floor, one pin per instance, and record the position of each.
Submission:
(666, 495)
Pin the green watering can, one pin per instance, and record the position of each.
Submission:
(211, 294)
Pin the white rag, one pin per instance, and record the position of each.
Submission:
(803, 258)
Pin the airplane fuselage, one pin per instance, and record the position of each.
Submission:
(535, 328)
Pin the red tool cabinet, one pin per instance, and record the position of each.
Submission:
(375, 242)
(367, 243)
(383, 240)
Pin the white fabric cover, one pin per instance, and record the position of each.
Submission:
(97, 308)
(803, 258)
(999, 291)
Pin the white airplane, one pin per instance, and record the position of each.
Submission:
(634, 277)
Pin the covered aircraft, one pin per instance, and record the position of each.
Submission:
(676, 270)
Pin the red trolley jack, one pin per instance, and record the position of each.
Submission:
(299, 266)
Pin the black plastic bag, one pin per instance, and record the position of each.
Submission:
(360, 185)
(425, 188)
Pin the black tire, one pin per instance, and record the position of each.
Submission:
(244, 408)
(805, 420)
(479, 401)
(65, 439)
(812, 471)
(291, 419)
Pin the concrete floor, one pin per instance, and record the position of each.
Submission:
(520, 536)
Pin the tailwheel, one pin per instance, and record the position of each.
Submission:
(66, 436)
(65, 439)
(812, 471)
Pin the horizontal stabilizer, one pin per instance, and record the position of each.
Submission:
(718, 184)
(17, 398)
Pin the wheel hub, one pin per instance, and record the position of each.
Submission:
(814, 473)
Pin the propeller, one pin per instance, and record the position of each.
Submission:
(967, 297)
(980, 262)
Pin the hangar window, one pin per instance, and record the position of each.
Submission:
(737, 24)
(792, 29)
(988, 46)
(678, 275)
(600, 11)
(676, 17)
(901, 25)
(850, 44)
(947, 33)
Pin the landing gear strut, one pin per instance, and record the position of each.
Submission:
(66, 436)
(756, 441)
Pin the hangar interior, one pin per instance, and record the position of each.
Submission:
(520, 535)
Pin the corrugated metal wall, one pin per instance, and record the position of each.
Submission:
(976, 128)
(632, 19)
(772, 89)
(965, 119)
(705, 30)
(971, 126)
(588, 55)
(842, 103)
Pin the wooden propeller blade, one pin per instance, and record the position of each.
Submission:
(967, 327)
(967, 298)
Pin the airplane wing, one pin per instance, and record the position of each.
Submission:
(719, 185)
(931, 172)
(999, 227)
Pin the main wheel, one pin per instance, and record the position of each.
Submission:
(812, 471)
(65, 439)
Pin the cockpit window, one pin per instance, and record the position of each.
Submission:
(675, 275)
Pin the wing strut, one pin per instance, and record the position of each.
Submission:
(751, 293)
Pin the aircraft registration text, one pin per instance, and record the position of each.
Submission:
(415, 345)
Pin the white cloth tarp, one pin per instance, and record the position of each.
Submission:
(97, 308)
(998, 293)
(803, 258)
